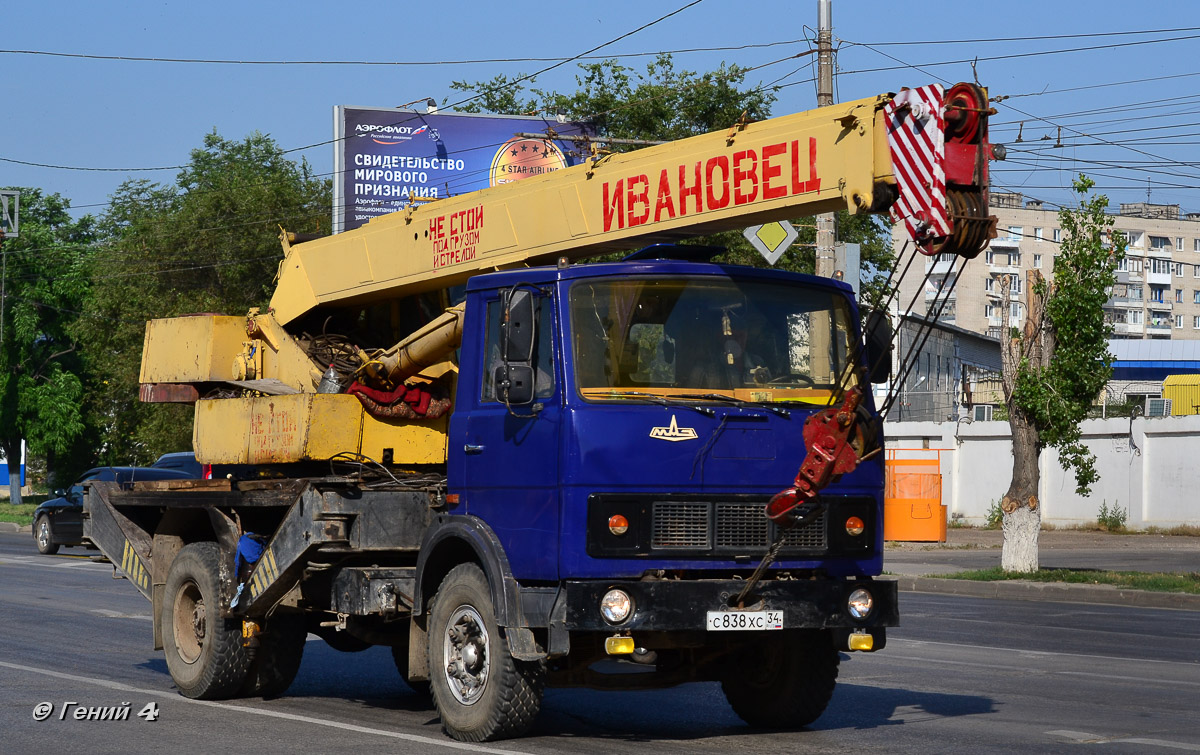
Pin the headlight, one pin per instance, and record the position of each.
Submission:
(615, 606)
(860, 603)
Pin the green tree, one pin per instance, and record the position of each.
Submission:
(1056, 366)
(209, 242)
(41, 380)
(664, 103)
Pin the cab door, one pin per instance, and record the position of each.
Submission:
(509, 471)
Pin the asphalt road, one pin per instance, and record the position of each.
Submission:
(961, 674)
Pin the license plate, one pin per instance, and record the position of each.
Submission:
(743, 621)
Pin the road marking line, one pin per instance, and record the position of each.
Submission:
(1083, 737)
(268, 713)
(918, 643)
(1047, 672)
(118, 615)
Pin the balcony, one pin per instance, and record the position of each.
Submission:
(1161, 279)
(1124, 302)
(1156, 305)
(1127, 328)
(939, 266)
(932, 295)
(1158, 329)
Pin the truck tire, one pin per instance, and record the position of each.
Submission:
(481, 692)
(44, 536)
(204, 652)
(274, 663)
(400, 658)
(784, 680)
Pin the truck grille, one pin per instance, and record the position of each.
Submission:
(725, 526)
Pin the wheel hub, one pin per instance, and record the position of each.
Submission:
(465, 649)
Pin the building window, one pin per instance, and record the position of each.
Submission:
(1136, 238)
(1014, 233)
(1015, 310)
(989, 285)
(1196, 296)
(1178, 321)
(1196, 245)
(1179, 243)
(1014, 258)
(1037, 234)
(1056, 234)
(1037, 259)
(990, 257)
(1156, 294)
(1179, 269)
(1135, 267)
(989, 310)
(1135, 317)
(1135, 292)
(1014, 284)
(1195, 322)
(1160, 243)
(1196, 271)
(1179, 295)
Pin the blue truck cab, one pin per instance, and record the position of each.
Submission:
(665, 405)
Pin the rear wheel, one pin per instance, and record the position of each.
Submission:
(204, 652)
(277, 658)
(784, 680)
(481, 692)
(44, 536)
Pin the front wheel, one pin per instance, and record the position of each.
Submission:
(784, 680)
(204, 652)
(481, 692)
(44, 536)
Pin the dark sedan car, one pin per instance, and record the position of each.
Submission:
(59, 521)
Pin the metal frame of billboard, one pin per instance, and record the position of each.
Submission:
(396, 158)
(10, 213)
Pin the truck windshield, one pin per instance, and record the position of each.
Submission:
(751, 340)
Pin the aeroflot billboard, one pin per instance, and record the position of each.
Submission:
(386, 158)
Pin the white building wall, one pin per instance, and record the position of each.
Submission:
(1151, 467)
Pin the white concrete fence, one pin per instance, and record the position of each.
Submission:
(1148, 467)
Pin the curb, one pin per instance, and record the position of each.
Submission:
(1051, 591)
(14, 527)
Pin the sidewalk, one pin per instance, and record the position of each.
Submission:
(917, 566)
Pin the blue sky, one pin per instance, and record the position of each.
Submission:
(125, 114)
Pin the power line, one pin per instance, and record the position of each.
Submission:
(394, 63)
(1028, 39)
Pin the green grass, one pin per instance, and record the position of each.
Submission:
(1187, 582)
(22, 513)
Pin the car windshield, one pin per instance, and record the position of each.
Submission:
(751, 340)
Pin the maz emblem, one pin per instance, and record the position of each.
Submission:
(673, 432)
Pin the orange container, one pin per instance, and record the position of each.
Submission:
(912, 499)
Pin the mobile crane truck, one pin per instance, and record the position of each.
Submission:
(515, 470)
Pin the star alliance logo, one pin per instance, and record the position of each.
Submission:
(673, 432)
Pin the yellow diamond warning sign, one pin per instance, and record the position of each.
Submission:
(771, 239)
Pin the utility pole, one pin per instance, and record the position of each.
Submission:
(825, 263)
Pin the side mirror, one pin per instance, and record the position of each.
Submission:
(517, 327)
(878, 335)
(514, 378)
(514, 384)
(60, 493)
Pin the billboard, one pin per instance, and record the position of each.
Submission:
(385, 158)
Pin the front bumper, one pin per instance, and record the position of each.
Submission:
(681, 605)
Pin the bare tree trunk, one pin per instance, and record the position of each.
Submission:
(1022, 514)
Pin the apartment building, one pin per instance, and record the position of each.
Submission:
(1157, 294)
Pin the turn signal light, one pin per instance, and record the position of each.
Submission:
(862, 641)
(619, 645)
(854, 526)
(618, 524)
